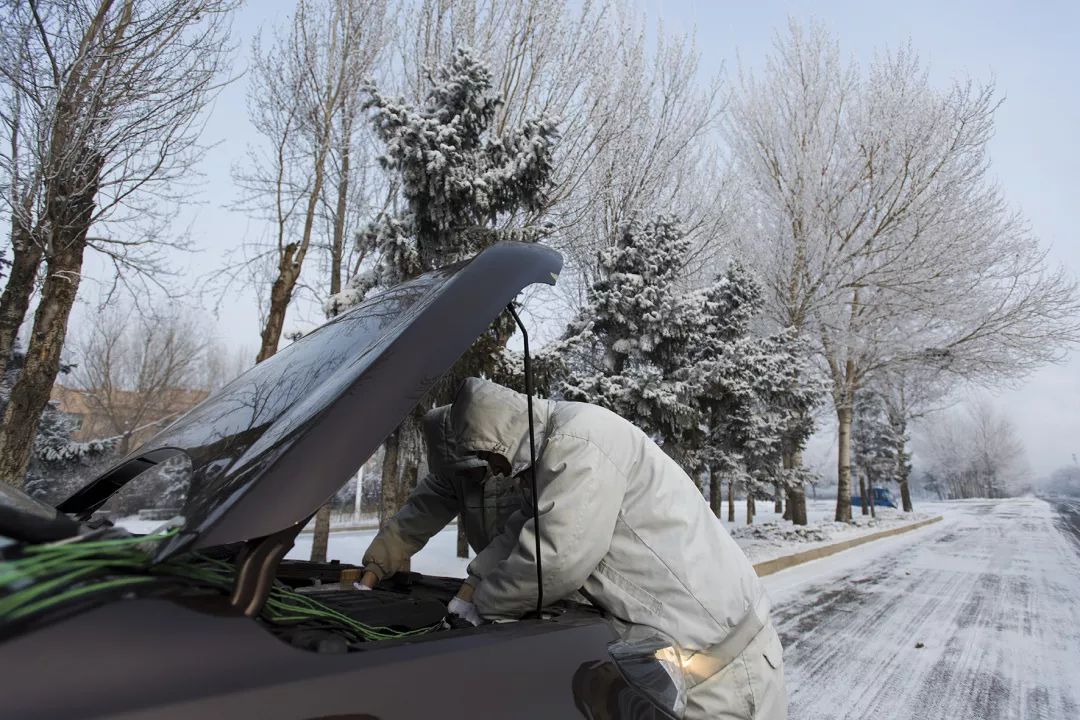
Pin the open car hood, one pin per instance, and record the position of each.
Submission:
(271, 447)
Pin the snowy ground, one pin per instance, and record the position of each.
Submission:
(437, 558)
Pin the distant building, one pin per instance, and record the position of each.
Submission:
(94, 422)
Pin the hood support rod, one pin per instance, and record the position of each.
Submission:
(257, 567)
(532, 461)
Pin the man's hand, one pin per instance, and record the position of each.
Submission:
(368, 581)
(464, 610)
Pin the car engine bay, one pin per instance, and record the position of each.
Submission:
(309, 605)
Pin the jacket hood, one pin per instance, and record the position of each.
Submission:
(443, 455)
(487, 417)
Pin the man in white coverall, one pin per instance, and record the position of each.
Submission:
(454, 486)
(622, 523)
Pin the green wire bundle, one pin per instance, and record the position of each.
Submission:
(49, 575)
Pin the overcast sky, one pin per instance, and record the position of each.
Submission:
(1029, 50)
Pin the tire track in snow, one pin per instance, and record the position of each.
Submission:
(992, 593)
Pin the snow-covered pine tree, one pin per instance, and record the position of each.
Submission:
(740, 376)
(794, 390)
(900, 435)
(632, 341)
(56, 458)
(686, 365)
(874, 447)
(462, 185)
(459, 180)
(756, 395)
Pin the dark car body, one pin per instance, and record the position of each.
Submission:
(265, 452)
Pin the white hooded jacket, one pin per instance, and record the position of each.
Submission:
(620, 521)
(454, 487)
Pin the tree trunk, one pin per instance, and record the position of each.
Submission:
(731, 501)
(280, 297)
(395, 479)
(289, 265)
(25, 261)
(409, 476)
(862, 495)
(905, 496)
(462, 538)
(337, 249)
(392, 448)
(796, 505)
(749, 508)
(320, 541)
(358, 501)
(69, 206)
(796, 495)
(778, 500)
(843, 465)
(716, 502)
(903, 470)
(401, 466)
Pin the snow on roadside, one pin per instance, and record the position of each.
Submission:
(438, 557)
(769, 540)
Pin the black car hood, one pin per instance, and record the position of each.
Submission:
(271, 447)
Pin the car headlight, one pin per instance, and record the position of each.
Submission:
(654, 665)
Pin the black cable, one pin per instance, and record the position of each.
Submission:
(532, 462)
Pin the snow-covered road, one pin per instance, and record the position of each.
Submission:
(993, 595)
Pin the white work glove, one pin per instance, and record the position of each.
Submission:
(361, 586)
(464, 610)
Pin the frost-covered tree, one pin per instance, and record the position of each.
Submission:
(460, 181)
(794, 390)
(635, 335)
(103, 104)
(457, 177)
(132, 362)
(877, 229)
(686, 365)
(909, 393)
(304, 175)
(756, 394)
(975, 453)
(637, 117)
(732, 439)
(874, 448)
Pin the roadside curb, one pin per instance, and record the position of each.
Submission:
(768, 567)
